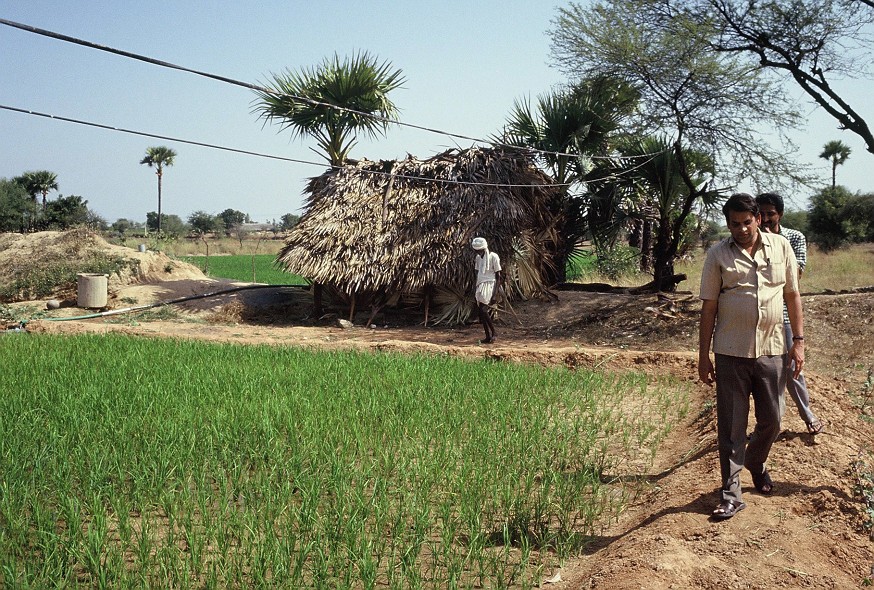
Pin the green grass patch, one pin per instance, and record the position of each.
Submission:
(21, 313)
(619, 269)
(155, 463)
(244, 268)
(580, 266)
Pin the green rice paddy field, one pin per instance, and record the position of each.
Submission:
(254, 268)
(138, 463)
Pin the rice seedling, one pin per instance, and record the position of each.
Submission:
(132, 462)
(249, 268)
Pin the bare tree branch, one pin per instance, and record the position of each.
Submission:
(808, 40)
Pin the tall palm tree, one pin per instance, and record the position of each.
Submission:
(565, 126)
(306, 102)
(159, 157)
(39, 182)
(837, 152)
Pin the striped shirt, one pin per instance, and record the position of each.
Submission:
(750, 292)
(799, 246)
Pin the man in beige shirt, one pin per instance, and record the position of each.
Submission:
(745, 280)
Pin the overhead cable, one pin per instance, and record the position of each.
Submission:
(262, 155)
(153, 135)
(255, 87)
(612, 176)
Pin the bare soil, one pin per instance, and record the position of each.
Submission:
(810, 533)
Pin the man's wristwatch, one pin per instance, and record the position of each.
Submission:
(798, 338)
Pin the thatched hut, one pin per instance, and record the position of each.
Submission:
(377, 233)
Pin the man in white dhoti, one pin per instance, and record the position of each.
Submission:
(488, 281)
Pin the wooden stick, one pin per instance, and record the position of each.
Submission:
(510, 307)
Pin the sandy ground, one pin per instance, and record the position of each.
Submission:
(808, 534)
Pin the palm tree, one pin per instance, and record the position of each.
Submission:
(646, 184)
(159, 157)
(837, 152)
(566, 126)
(660, 183)
(39, 182)
(333, 102)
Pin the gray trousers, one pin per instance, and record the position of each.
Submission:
(737, 379)
(797, 388)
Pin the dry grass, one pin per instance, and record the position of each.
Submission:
(218, 246)
(846, 269)
(232, 313)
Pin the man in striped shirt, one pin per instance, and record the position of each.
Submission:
(771, 208)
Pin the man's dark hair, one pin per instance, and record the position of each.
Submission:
(771, 199)
(741, 203)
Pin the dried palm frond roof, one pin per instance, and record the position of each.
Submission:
(399, 226)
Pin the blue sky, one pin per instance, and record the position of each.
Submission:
(465, 63)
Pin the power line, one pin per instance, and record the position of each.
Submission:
(153, 135)
(263, 155)
(320, 164)
(255, 87)
(250, 86)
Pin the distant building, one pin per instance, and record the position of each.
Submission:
(256, 227)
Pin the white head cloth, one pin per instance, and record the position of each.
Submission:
(481, 244)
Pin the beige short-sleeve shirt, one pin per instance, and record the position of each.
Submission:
(750, 293)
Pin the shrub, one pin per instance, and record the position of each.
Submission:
(41, 278)
(837, 219)
(618, 261)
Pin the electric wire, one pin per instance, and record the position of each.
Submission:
(257, 88)
(154, 135)
(612, 176)
(251, 153)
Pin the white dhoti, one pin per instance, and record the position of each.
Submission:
(485, 291)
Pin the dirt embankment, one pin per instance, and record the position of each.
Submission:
(809, 534)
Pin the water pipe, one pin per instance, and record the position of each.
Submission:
(110, 312)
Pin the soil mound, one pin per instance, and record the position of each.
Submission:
(66, 253)
(18, 250)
